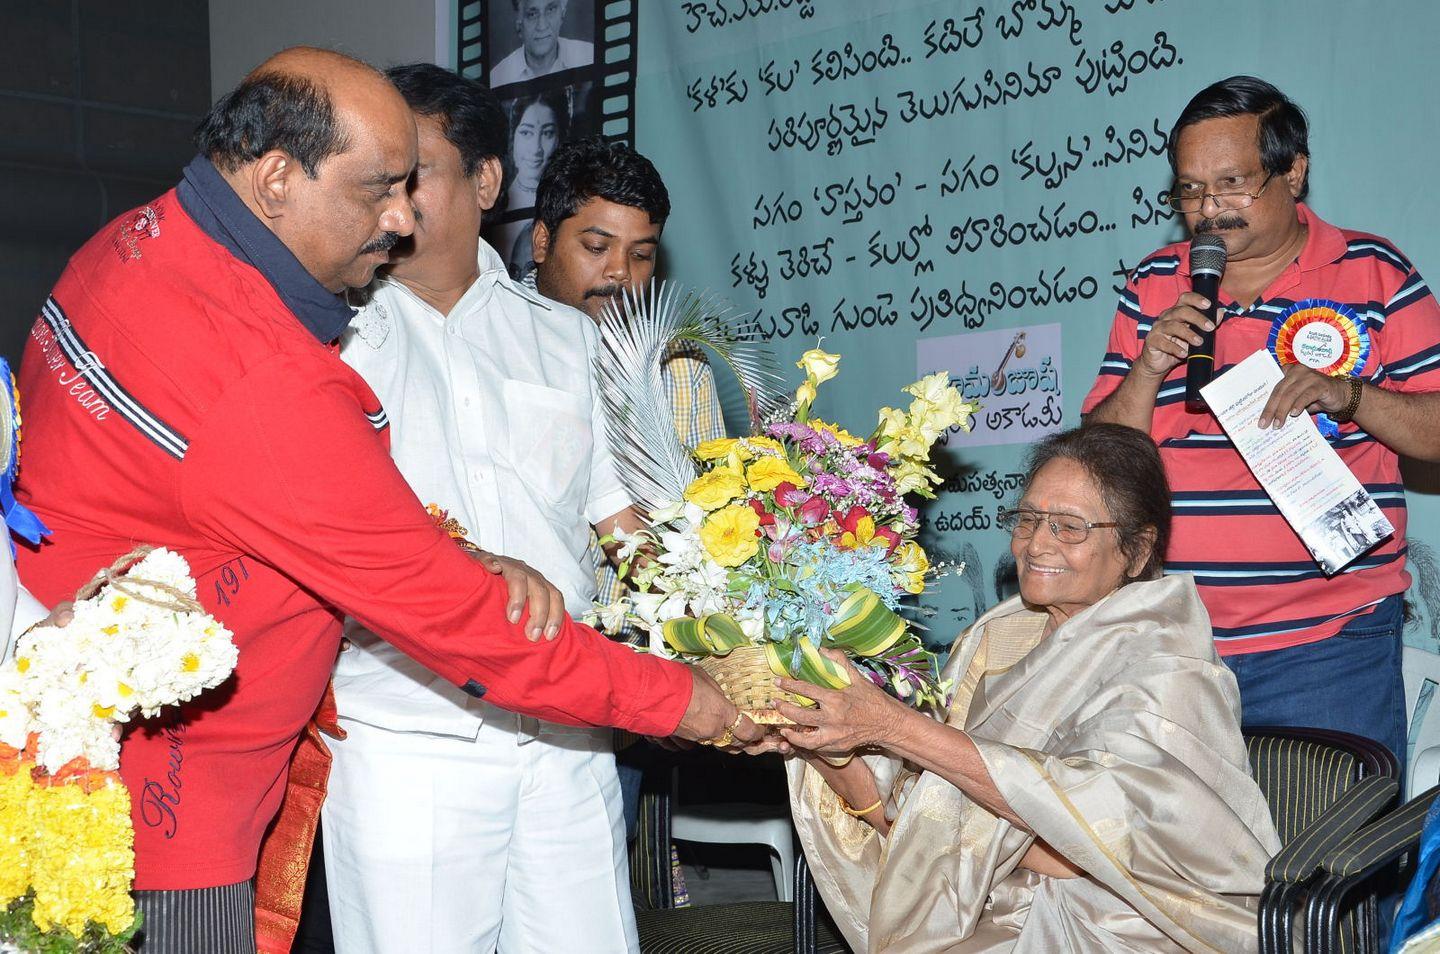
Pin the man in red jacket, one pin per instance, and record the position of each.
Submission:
(183, 389)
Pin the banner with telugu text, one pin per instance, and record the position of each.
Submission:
(965, 185)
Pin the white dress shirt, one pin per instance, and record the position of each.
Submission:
(515, 68)
(494, 416)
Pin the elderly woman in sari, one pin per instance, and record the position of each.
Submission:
(1088, 789)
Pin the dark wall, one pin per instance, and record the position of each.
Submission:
(98, 99)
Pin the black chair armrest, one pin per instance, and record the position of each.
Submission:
(1303, 857)
(1355, 859)
(1382, 841)
(806, 901)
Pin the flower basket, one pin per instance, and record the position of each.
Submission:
(745, 676)
(762, 551)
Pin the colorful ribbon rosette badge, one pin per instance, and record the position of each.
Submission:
(1324, 335)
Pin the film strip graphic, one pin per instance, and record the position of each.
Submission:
(562, 69)
(486, 35)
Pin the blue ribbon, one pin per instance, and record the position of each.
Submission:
(21, 521)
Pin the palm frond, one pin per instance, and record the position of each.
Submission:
(640, 331)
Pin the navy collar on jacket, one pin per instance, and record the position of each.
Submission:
(209, 200)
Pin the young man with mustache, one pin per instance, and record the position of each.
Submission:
(1306, 649)
(599, 212)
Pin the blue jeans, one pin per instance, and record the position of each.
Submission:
(1350, 682)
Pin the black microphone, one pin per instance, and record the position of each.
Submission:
(1207, 267)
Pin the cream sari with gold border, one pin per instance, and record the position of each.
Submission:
(1117, 740)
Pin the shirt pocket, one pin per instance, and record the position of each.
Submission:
(550, 441)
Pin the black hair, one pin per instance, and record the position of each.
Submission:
(558, 102)
(1126, 467)
(272, 111)
(595, 168)
(1284, 134)
(470, 116)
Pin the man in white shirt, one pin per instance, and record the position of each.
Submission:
(451, 825)
(542, 49)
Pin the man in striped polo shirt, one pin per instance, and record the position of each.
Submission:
(1307, 650)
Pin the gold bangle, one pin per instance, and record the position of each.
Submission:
(838, 764)
(859, 812)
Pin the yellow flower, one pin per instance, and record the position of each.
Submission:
(862, 536)
(730, 535)
(909, 566)
(805, 393)
(892, 422)
(764, 443)
(819, 365)
(715, 449)
(715, 489)
(912, 476)
(938, 406)
(18, 832)
(931, 388)
(82, 869)
(767, 473)
(898, 437)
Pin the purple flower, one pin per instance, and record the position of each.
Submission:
(831, 485)
(788, 495)
(796, 432)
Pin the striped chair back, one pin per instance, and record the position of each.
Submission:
(1303, 771)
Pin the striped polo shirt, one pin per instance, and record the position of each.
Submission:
(1261, 586)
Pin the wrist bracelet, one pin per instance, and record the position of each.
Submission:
(858, 812)
(838, 763)
(1347, 414)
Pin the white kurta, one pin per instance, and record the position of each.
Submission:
(451, 825)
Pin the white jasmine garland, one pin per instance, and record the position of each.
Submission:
(14, 711)
(120, 654)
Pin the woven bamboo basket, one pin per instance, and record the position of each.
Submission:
(744, 675)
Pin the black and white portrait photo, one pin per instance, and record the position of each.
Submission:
(534, 38)
(539, 122)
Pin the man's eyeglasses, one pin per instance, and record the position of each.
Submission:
(1066, 527)
(1230, 201)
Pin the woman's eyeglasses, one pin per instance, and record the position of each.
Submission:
(1066, 527)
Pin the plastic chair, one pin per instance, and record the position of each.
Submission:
(740, 823)
(1422, 676)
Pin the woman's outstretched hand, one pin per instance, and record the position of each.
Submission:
(842, 720)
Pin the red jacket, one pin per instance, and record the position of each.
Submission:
(172, 398)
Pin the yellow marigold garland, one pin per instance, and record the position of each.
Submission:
(67, 841)
(85, 864)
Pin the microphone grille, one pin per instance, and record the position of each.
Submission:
(1207, 254)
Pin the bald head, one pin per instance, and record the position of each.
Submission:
(323, 66)
(319, 146)
(302, 100)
